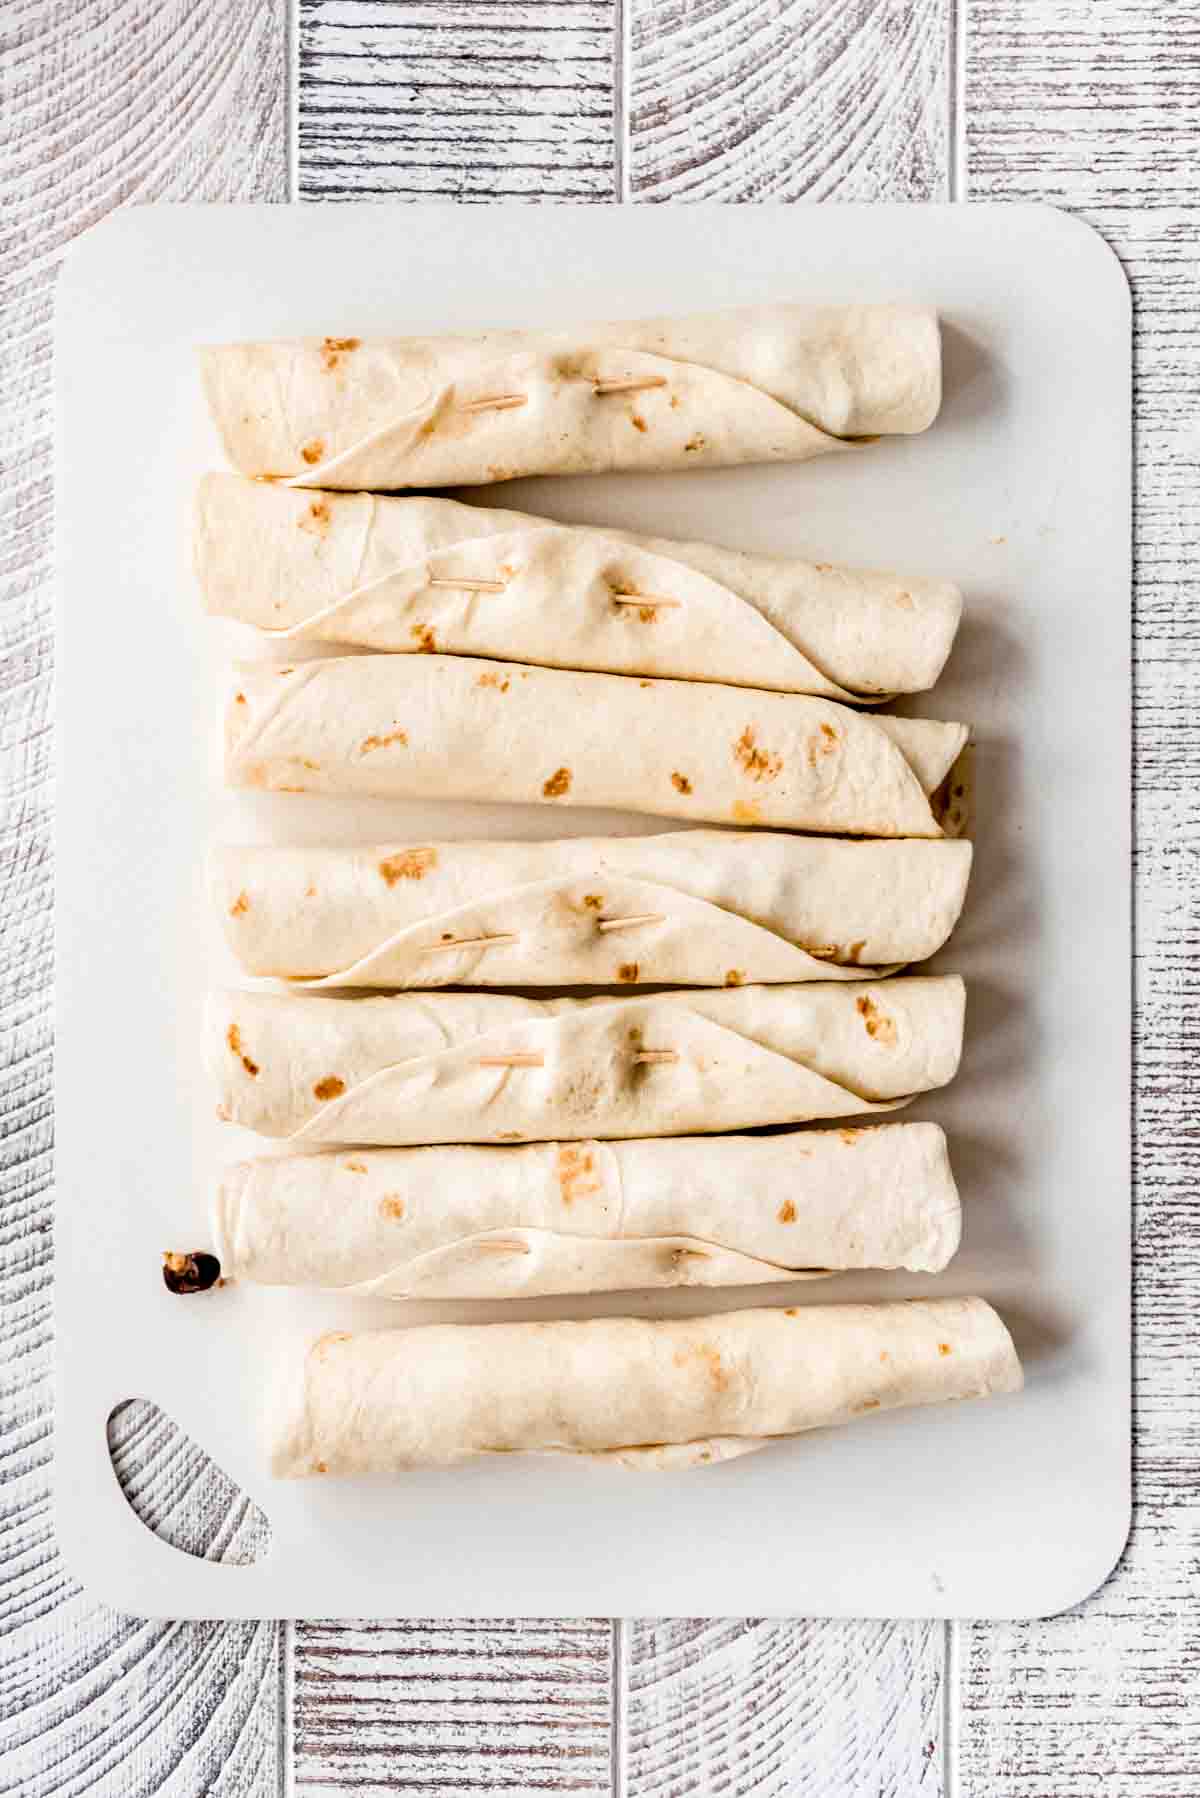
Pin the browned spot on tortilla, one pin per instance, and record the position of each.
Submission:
(787, 1212)
(223, 1113)
(694, 444)
(313, 450)
(391, 1206)
(637, 421)
(645, 683)
(240, 906)
(558, 784)
(823, 567)
(759, 764)
(355, 1167)
(409, 864)
(850, 1136)
(290, 669)
(305, 763)
(310, 892)
(746, 812)
(316, 520)
(884, 1356)
(233, 1037)
(393, 736)
(716, 1372)
(628, 972)
(508, 1136)
(791, 1311)
(674, 402)
(680, 782)
(334, 348)
(239, 699)
(880, 1027)
(905, 602)
(422, 635)
(648, 614)
(868, 1404)
(944, 1348)
(824, 951)
(856, 949)
(734, 976)
(282, 789)
(577, 1178)
(322, 1345)
(593, 901)
(329, 1088)
(494, 680)
(823, 743)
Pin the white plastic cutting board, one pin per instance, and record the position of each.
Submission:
(1021, 493)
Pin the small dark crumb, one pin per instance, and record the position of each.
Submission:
(681, 783)
(195, 1272)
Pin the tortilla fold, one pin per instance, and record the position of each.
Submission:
(753, 384)
(457, 728)
(477, 1223)
(493, 1068)
(395, 574)
(687, 908)
(655, 1394)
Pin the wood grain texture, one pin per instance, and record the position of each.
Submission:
(473, 100)
(433, 1708)
(1092, 105)
(99, 104)
(807, 1709)
(789, 99)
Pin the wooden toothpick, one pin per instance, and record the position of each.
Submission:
(656, 1057)
(646, 599)
(650, 917)
(628, 383)
(496, 402)
(471, 942)
(516, 1060)
(466, 586)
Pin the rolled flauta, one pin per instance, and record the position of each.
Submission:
(451, 727)
(663, 1393)
(687, 908)
(462, 1222)
(491, 1067)
(402, 574)
(754, 384)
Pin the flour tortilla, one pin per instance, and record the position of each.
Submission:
(721, 908)
(379, 573)
(664, 1394)
(756, 384)
(451, 727)
(409, 1069)
(476, 1223)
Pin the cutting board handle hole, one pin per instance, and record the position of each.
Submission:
(177, 1490)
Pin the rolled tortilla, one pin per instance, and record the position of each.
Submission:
(755, 384)
(663, 1393)
(688, 908)
(456, 728)
(491, 1067)
(395, 574)
(476, 1223)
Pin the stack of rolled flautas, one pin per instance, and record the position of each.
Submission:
(480, 1144)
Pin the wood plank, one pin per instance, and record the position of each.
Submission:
(476, 100)
(98, 105)
(807, 1709)
(793, 100)
(433, 1708)
(1092, 105)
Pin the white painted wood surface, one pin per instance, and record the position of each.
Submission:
(1087, 103)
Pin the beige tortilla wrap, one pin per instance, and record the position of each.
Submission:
(701, 1387)
(687, 908)
(396, 574)
(461, 1222)
(754, 384)
(491, 1067)
(451, 727)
